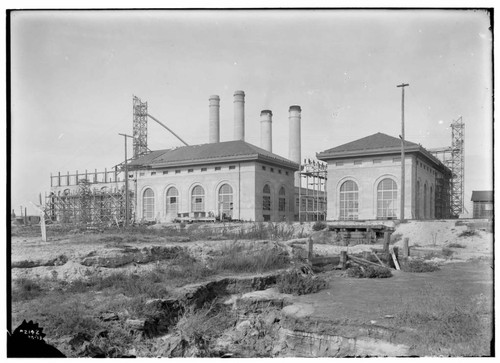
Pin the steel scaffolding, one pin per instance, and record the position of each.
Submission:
(140, 128)
(312, 201)
(453, 158)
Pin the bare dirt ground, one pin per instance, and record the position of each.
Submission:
(391, 310)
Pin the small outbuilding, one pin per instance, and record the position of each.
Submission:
(482, 204)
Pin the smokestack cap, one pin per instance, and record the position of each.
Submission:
(214, 97)
(295, 108)
(236, 93)
(263, 112)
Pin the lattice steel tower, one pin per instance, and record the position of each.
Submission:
(456, 165)
(140, 127)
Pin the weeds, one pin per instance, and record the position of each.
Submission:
(319, 226)
(296, 283)
(238, 257)
(419, 266)
(369, 272)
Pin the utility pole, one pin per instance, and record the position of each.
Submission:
(126, 179)
(402, 136)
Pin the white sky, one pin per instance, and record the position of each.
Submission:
(74, 74)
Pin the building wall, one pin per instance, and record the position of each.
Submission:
(425, 185)
(247, 180)
(482, 210)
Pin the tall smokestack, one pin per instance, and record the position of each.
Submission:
(213, 119)
(266, 130)
(294, 138)
(239, 115)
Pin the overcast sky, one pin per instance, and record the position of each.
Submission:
(74, 74)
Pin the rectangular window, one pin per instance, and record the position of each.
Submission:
(203, 169)
(165, 172)
(358, 162)
(377, 161)
(232, 167)
(339, 163)
(217, 168)
(131, 176)
(267, 217)
(272, 170)
(286, 172)
(263, 167)
(141, 174)
(190, 170)
(177, 171)
(396, 160)
(153, 173)
(279, 171)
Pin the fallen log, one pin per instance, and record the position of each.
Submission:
(394, 258)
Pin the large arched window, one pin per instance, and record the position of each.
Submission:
(387, 198)
(348, 200)
(417, 200)
(148, 204)
(425, 202)
(172, 206)
(282, 200)
(226, 201)
(266, 202)
(198, 199)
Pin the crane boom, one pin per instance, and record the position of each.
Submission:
(173, 133)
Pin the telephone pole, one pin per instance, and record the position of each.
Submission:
(126, 179)
(402, 136)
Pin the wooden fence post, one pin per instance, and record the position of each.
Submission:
(310, 252)
(406, 248)
(387, 240)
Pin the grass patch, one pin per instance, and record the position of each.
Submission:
(445, 325)
(26, 289)
(369, 271)
(244, 258)
(296, 283)
(419, 266)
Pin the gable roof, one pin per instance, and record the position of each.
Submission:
(482, 196)
(228, 151)
(376, 144)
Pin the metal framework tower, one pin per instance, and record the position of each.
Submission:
(140, 128)
(453, 158)
(456, 165)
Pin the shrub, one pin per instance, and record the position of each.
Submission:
(447, 252)
(419, 266)
(318, 226)
(455, 245)
(296, 283)
(368, 272)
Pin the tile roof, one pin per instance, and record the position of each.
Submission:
(210, 153)
(377, 144)
(482, 196)
(378, 141)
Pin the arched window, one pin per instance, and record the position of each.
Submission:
(425, 202)
(282, 200)
(387, 198)
(148, 204)
(431, 203)
(266, 202)
(172, 201)
(198, 199)
(226, 201)
(348, 200)
(417, 200)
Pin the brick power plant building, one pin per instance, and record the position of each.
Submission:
(235, 180)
